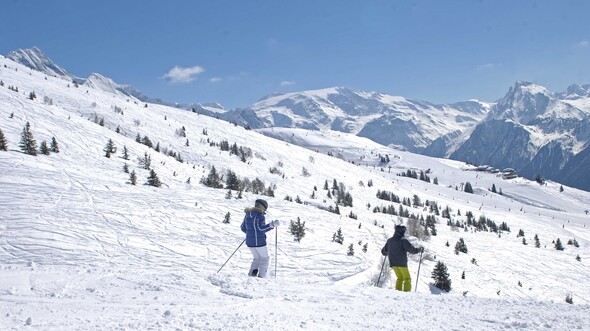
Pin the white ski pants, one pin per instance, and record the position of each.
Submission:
(260, 262)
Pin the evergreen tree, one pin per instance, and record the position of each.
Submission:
(146, 141)
(228, 195)
(468, 188)
(231, 181)
(441, 278)
(3, 142)
(560, 188)
(558, 245)
(43, 148)
(27, 143)
(350, 250)
(524, 241)
(153, 179)
(109, 148)
(297, 229)
(494, 188)
(227, 218)
(463, 275)
(578, 258)
(125, 153)
(537, 242)
(213, 180)
(126, 168)
(337, 237)
(138, 138)
(146, 162)
(365, 247)
(133, 178)
(54, 147)
(569, 299)
(460, 246)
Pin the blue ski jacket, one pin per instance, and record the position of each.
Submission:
(255, 228)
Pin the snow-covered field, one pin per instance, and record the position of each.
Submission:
(83, 249)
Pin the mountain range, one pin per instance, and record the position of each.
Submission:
(537, 133)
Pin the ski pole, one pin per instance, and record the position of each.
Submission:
(276, 249)
(382, 265)
(419, 264)
(232, 254)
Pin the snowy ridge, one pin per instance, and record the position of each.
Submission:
(81, 248)
(386, 119)
(100, 82)
(35, 59)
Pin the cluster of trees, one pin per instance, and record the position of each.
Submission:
(232, 182)
(482, 224)
(423, 176)
(148, 142)
(338, 190)
(244, 153)
(28, 144)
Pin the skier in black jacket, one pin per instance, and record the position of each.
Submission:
(396, 250)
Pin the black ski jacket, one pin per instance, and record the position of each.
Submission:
(397, 247)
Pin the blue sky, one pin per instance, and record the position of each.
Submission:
(236, 52)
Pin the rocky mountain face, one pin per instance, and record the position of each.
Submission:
(534, 132)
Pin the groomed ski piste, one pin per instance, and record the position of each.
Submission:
(83, 249)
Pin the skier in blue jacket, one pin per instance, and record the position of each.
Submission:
(255, 228)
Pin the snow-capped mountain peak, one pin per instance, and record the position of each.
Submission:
(103, 83)
(34, 58)
(575, 91)
(523, 103)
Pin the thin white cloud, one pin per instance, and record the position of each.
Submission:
(287, 83)
(183, 75)
(487, 67)
(215, 79)
(584, 44)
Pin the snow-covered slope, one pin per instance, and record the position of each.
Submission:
(81, 248)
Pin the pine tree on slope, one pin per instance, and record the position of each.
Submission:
(54, 147)
(3, 142)
(441, 278)
(27, 143)
(297, 229)
(43, 148)
(153, 179)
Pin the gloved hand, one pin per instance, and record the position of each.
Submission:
(275, 223)
(421, 249)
